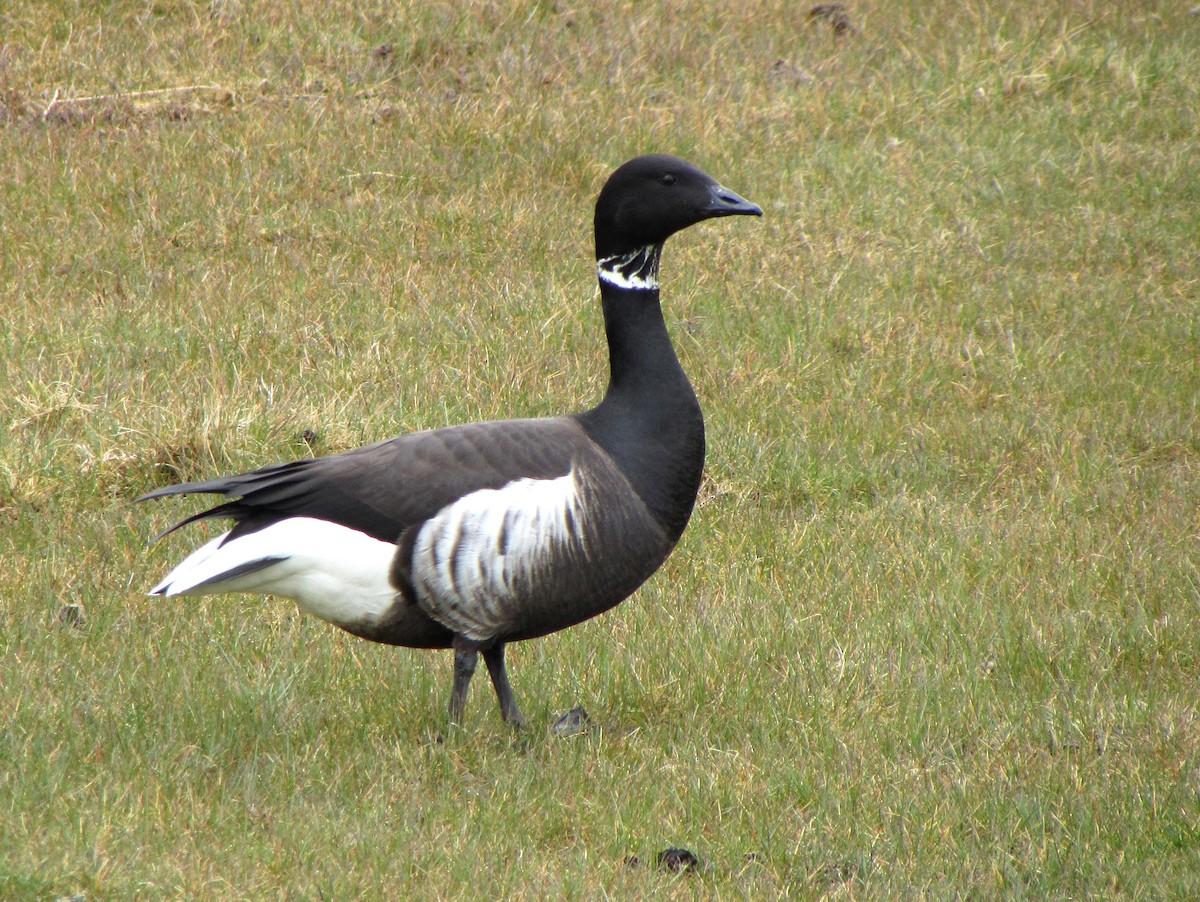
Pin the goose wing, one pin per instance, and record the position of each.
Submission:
(382, 489)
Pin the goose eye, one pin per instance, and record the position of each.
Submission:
(668, 179)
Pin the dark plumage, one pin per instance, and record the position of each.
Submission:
(478, 535)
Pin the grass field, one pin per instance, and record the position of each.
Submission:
(935, 627)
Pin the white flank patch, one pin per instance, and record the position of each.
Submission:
(474, 557)
(333, 572)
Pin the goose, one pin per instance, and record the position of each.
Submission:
(473, 536)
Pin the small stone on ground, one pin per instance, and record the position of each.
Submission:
(572, 723)
(678, 860)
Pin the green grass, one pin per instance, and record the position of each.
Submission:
(935, 627)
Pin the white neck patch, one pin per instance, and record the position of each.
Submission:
(636, 269)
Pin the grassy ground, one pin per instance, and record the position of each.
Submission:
(935, 628)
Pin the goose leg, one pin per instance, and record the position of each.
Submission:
(466, 655)
(494, 658)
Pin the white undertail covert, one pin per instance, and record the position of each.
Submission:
(333, 572)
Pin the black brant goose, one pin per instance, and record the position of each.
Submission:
(475, 536)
